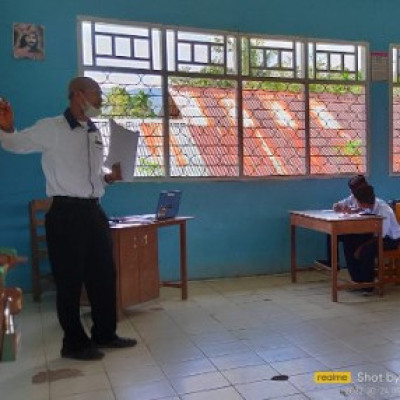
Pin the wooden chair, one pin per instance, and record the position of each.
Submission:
(391, 259)
(37, 211)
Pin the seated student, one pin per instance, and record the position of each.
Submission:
(361, 249)
(350, 203)
(345, 205)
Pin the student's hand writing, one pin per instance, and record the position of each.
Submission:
(6, 116)
(341, 208)
(337, 207)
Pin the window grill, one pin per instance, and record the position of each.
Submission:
(331, 61)
(272, 58)
(193, 52)
(107, 46)
(225, 105)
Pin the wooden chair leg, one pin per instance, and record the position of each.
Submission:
(396, 272)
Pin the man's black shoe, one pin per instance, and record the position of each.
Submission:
(117, 343)
(85, 354)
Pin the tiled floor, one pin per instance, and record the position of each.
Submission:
(225, 343)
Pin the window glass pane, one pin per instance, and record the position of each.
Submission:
(335, 61)
(135, 102)
(205, 53)
(122, 46)
(203, 128)
(87, 43)
(337, 129)
(269, 58)
(273, 119)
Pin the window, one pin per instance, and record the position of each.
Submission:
(222, 105)
(395, 109)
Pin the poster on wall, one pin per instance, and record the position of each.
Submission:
(28, 41)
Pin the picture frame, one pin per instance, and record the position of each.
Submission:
(28, 41)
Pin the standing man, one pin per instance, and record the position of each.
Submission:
(77, 231)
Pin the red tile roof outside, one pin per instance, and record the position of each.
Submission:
(204, 141)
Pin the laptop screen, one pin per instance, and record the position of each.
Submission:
(168, 204)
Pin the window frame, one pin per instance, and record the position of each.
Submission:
(392, 85)
(238, 78)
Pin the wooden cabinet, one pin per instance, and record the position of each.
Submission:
(136, 259)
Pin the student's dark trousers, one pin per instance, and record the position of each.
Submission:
(362, 269)
(80, 253)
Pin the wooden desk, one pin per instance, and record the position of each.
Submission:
(136, 260)
(336, 224)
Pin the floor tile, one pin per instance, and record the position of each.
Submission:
(249, 374)
(236, 360)
(298, 366)
(292, 397)
(146, 391)
(197, 383)
(266, 390)
(340, 359)
(228, 393)
(226, 342)
(98, 395)
(187, 368)
(79, 384)
(281, 354)
(144, 374)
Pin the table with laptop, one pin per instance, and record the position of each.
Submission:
(135, 239)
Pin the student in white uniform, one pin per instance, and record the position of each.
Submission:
(77, 230)
(361, 250)
(349, 203)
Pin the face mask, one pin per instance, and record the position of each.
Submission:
(90, 111)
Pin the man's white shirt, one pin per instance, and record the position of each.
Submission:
(72, 158)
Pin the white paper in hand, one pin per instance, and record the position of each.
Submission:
(123, 148)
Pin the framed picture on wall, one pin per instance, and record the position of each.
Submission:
(28, 41)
